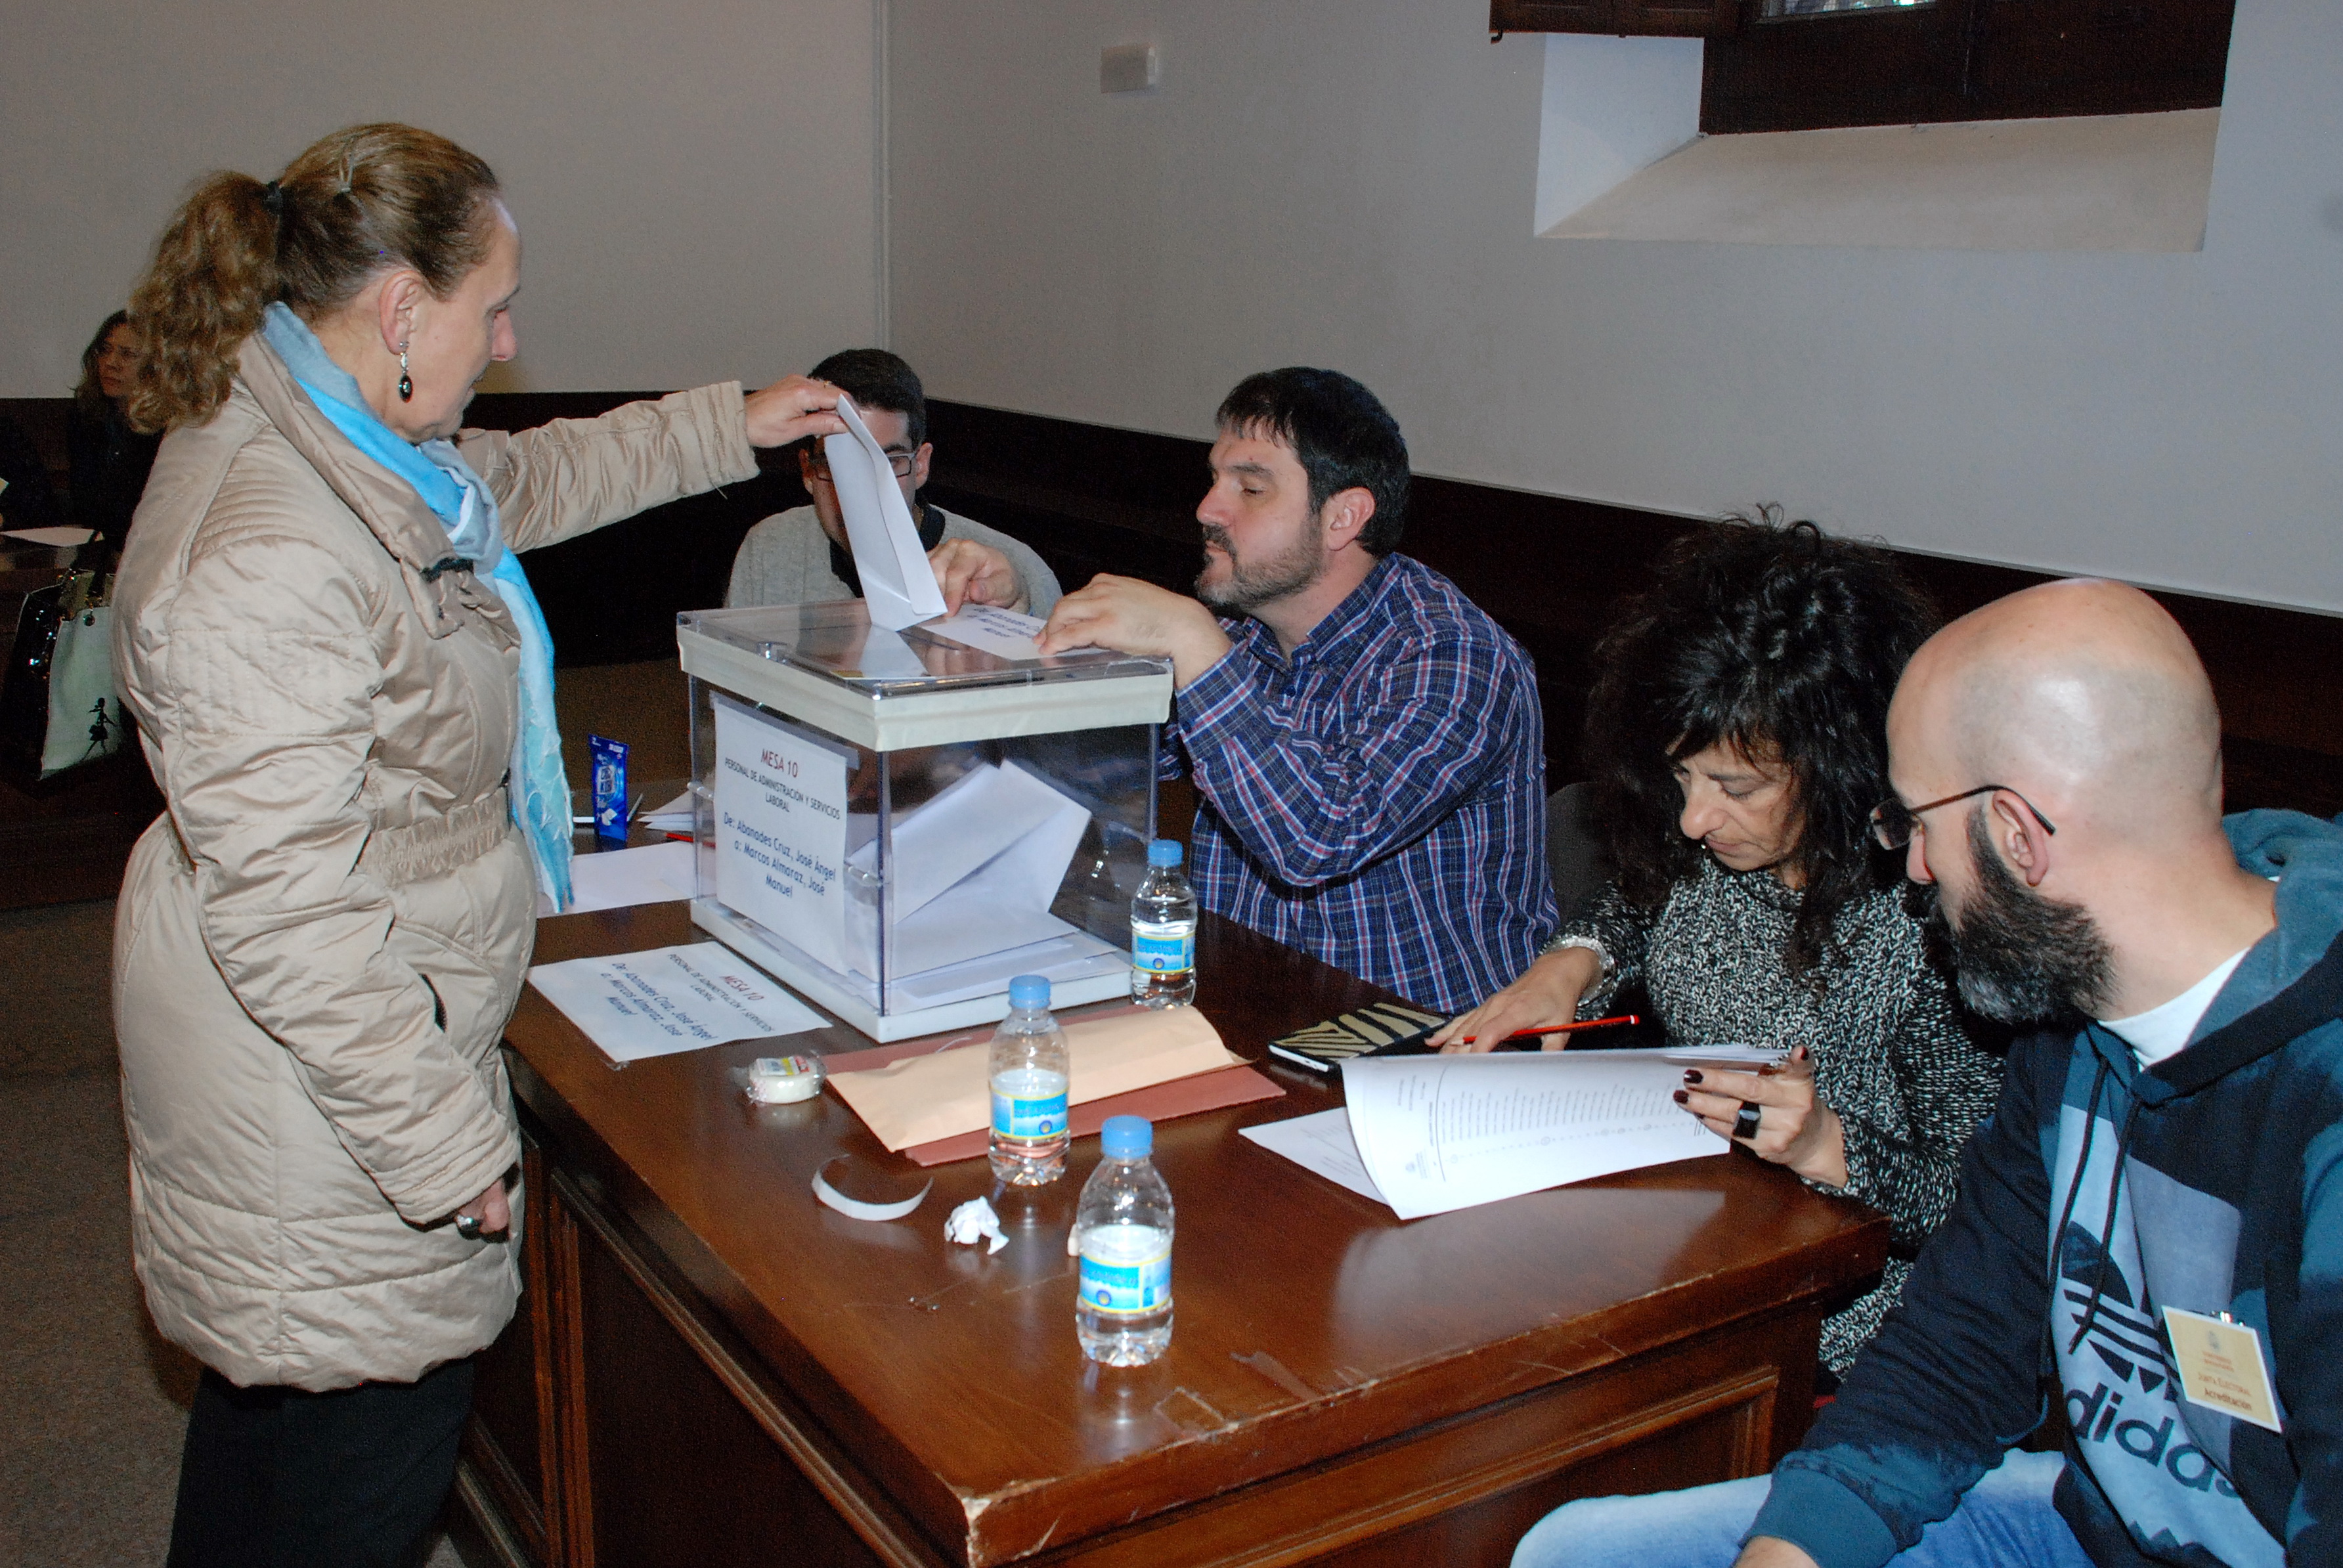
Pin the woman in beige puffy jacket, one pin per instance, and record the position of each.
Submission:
(319, 943)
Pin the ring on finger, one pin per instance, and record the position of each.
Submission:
(1744, 1125)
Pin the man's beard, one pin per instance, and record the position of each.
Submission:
(1252, 586)
(2022, 958)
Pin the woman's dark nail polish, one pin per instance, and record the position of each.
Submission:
(1681, 1098)
(1691, 1076)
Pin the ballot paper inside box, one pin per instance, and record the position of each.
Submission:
(895, 823)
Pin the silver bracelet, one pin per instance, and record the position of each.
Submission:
(1591, 944)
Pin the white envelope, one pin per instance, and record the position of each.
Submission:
(898, 584)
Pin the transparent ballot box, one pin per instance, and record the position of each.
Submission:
(894, 823)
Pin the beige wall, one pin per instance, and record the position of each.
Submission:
(695, 183)
(1344, 182)
(1354, 183)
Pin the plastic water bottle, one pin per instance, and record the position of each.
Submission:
(1122, 1229)
(1029, 1088)
(1163, 931)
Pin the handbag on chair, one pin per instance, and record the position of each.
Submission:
(59, 706)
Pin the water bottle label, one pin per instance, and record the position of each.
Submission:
(1029, 1120)
(1128, 1287)
(1164, 949)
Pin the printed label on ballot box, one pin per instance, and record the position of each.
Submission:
(780, 830)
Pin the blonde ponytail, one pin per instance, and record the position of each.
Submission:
(214, 271)
(360, 202)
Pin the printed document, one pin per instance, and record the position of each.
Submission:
(1004, 633)
(1321, 1143)
(1433, 1133)
(655, 1003)
(1001, 632)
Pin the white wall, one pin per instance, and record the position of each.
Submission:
(1353, 183)
(695, 184)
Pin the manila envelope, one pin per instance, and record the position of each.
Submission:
(920, 1099)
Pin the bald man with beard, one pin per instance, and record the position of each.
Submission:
(2154, 1214)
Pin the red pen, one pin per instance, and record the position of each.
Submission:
(1553, 1029)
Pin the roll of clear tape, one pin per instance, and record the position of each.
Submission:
(855, 1208)
(785, 1080)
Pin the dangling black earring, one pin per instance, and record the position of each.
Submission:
(406, 382)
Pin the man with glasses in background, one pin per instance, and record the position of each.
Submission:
(801, 556)
(2150, 1234)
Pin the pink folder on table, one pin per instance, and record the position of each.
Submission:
(1209, 1076)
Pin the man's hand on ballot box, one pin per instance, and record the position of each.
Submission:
(1132, 617)
(971, 573)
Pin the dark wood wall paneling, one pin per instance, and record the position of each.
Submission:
(1551, 570)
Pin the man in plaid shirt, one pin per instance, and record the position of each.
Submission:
(1365, 743)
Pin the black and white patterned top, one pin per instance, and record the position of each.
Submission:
(1892, 1052)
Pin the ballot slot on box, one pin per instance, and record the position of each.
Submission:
(894, 823)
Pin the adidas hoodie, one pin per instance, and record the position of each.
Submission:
(2095, 1196)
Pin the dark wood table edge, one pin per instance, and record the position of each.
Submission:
(792, 1397)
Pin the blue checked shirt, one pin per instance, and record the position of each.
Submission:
(1378, 800)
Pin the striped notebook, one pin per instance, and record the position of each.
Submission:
(1380, 1028)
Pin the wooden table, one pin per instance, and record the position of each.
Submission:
(711, 1369)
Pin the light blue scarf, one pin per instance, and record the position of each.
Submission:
(540, 790)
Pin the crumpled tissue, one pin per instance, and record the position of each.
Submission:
(972, 1220)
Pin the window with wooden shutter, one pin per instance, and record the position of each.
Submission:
(1811, 65)
(1643, 18)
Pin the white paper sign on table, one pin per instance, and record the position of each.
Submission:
(655, 1003)
(780, 830)
(1442, 1133)
(898, 585)
(60, 537)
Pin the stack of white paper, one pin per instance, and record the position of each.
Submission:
(1427, 1134)
(676, 817)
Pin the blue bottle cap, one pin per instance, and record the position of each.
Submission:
(1165, 852)
(1028, 990)
(1127, 1137)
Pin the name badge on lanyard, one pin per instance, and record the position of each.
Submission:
(2221, 1366)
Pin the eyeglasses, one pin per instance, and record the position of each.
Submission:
(901, 462)
(1893, 823)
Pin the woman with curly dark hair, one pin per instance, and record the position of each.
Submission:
(1738, 732)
